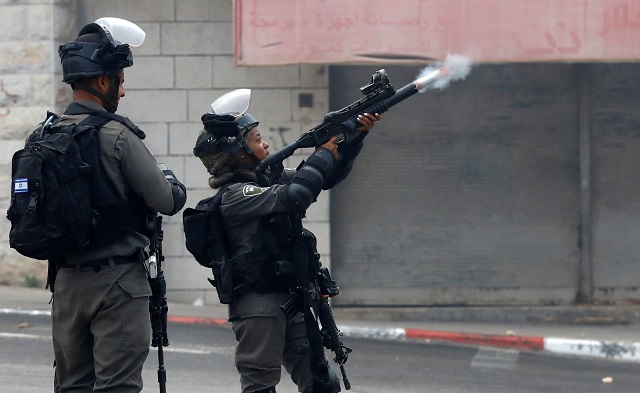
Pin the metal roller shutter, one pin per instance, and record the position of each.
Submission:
(463, 196)
(615, 129)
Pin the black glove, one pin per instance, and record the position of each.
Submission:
(178, 190)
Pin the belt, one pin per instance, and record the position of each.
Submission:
(97, 265)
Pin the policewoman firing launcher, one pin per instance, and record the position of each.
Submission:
(272, 259)
(264, 262)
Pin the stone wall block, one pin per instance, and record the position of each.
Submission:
(151, 44)
(139, 76)
(221, 10)
(17, 122)
(182, 138)
(40, 19)
(204, 10)
(199, 102)
(13, 20)
(227, 74)
(196, 175)
(138, 10)
(271, 105)
(197, 38)
(15, 90)
(64, 22)
(173, 241)
(278, 133)
(43, 89)
(154, 106)
(157, 137)
(314, 76)
(313, 114)
(194, 72)
(26, 58)
(62, 93)
(7, 148)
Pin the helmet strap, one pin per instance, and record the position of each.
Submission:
(111, 105)
(253, 157)
(109, 100)
(245, 165)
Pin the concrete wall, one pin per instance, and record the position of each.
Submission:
(185, 63)
(29, 86)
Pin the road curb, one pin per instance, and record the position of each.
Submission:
(612, 350)
(562, 346)
(627, 351)
(198, 321)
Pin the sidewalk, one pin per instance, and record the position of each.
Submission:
(609, 332)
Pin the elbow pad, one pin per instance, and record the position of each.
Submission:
(306, 185)
(178, 191)
(343, 167)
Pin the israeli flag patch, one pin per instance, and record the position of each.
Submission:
(20, 185)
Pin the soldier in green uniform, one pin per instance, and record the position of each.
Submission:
(101, 328)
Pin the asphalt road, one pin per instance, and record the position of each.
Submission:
(200, 359)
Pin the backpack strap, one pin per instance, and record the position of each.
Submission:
(125, 121)
(91, 122)
(115, 216)
(94, 120)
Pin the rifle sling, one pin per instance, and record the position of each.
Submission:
(302, 251)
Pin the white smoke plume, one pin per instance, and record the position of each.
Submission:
(457, 66)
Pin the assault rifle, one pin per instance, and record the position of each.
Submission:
(320, 284)
(158, 301)
(379, 96)
(330, 333)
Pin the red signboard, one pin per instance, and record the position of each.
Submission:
(271, 32)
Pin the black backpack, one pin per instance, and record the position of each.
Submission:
(57, 181)
(50, 209)
(206, 241)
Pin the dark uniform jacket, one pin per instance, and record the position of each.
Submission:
(246, 209)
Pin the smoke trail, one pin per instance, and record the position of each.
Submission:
(458, 67)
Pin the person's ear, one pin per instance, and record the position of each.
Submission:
(102, 83)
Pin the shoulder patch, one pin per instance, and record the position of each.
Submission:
(249, 190)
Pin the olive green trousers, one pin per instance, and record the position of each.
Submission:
(101, 329)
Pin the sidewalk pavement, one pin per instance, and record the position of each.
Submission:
(608, 332)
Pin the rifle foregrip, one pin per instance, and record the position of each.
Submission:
(379, 107)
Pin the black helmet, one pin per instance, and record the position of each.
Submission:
(220, 134)
(227, 125)
(101, 48)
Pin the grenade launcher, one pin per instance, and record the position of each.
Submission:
(379, 96)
